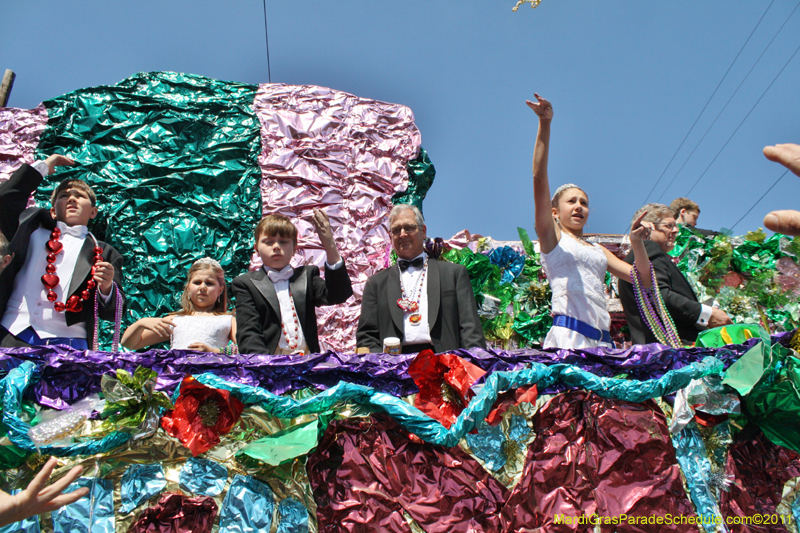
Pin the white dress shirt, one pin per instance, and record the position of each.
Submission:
(280, 279)
(419, 333)
(28, 304)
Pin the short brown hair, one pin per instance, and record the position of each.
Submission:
(683, 203)
(272, 225)
(70, 183)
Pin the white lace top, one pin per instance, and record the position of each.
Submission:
(213, 330)
(576, 274)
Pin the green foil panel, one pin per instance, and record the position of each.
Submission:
(173, 161)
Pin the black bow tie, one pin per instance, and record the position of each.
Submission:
(416, 263)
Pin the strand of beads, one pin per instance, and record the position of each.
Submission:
(655, 315)
(50, 278)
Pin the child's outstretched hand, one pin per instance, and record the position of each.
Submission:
(322, 225)
(39, 497)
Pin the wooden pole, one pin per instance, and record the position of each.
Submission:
(5, 86)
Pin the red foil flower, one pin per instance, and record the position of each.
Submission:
(201, 415)
(444, 383)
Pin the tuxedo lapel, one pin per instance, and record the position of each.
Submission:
(434, 292)
(267, 290)
(298, 285)
(83, 266)
(394, 293)
(685, 288)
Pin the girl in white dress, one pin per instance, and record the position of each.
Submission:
(575, 268)
(204, 324)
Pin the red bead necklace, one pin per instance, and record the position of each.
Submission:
(50, 279)
(294, 342)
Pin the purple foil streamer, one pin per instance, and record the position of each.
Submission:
(20, 130)
(68, 375)
(343, 154)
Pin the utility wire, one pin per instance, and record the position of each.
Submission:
(745, 118)
(266, 35)
(762, 197)
(708, 102)
(729, 101)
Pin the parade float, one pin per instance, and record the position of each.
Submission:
(512, 439)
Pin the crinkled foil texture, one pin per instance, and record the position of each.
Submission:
(597, 456)
(343, 154)
(20, 130)
(173, 161)
(368, 474)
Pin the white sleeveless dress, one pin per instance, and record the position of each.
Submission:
(576, 274)
(213, 330)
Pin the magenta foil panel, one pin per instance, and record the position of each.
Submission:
(346, 155)
(19, 136)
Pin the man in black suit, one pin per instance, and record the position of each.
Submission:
(689, 315)
(54, 244)
(425, 303)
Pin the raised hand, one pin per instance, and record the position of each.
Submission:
(58, 160)
(322, 225)
(641, 230)
(543, 108)
(38, 497)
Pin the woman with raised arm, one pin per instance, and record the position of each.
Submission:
(576, 268)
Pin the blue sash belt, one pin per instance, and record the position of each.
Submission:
(29, 335)
(582, 327)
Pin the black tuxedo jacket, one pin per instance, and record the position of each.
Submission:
(452, 311)
(676, 292)
(18, 223)
(258, 312)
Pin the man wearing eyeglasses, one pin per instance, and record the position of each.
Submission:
(688, 314)
(425, 303)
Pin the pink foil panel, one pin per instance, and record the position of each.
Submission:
(346, 155)
(19, 136)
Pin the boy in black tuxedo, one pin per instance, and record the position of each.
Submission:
(47, 291)
(275, 304)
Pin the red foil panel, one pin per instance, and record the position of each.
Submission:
(602, 459)
(759, 469)
(367, 472)
(176, 513)
(346, 155)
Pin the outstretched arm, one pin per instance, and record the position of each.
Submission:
(619, 268)
(545, 227)
(39, 498)
(147, 331)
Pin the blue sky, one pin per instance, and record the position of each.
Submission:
(627, 80)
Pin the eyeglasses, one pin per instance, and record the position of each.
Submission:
(671, 226)
(408, 228)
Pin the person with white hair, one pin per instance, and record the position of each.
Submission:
(425, 303)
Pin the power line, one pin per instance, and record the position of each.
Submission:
(745, 118)
(762, 197)
(708, 102)
(729, 100)
(266, 35)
